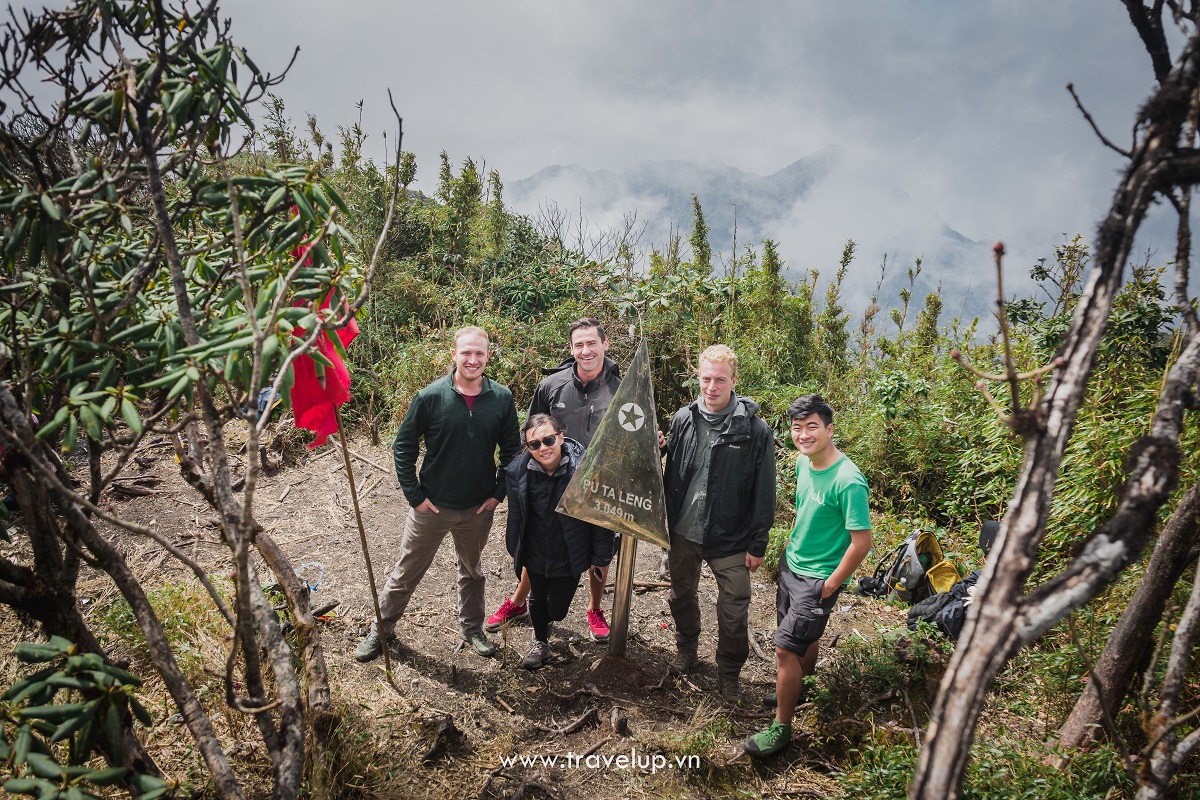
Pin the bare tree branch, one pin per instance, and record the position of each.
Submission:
(1002, 622)
(1095, 128)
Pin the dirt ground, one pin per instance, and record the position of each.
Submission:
(499, 710)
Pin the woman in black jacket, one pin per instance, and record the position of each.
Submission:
(554, 548)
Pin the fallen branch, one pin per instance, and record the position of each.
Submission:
(441, 738)
(890, 695)
(364, 459)
(758, 651)
(148, 476)
(370, 484)
(526, 783)
(588, 690)
(289, 487)
(321, 611)
(133, 490)
(588, 716)
(592, 750)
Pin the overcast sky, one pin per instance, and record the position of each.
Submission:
(960, 104)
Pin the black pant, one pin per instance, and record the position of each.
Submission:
(549, 599)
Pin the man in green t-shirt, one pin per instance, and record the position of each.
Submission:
(831, 537)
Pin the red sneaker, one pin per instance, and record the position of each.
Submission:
(507, 612)
(597, 626)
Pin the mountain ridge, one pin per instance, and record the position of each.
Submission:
(810, 207)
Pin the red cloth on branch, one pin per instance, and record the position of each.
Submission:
(315, 399)
(314, 403)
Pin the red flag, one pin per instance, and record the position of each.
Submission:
(315, 399)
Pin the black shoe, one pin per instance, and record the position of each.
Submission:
(770, 701)
(729, 689)
(683, 663)
(538, 655)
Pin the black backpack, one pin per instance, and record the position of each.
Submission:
(947, 611)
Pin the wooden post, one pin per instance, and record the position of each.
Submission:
(362, 538)
(622, 595)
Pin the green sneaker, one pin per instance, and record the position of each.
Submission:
(480, 643)
(371, 647)
(770, 741)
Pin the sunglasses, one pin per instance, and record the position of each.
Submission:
(538, 444)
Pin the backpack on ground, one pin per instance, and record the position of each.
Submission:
(917, 569)
(947, 611)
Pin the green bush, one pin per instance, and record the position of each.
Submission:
(882, 768)
(49, 743)
(892, 675)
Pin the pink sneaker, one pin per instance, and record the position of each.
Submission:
(597, 626)
(507, 612)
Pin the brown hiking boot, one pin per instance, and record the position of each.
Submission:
(730, 690)
(683, 663)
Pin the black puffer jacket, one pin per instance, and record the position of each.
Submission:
(577, 405)
(741, 480)
(587, 544)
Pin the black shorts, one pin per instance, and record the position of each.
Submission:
(802, 613)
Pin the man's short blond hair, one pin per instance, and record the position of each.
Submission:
(720, 354)
(471, 330)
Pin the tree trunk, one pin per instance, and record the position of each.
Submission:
(1121, 660)
(1006, 619)
(321, 719)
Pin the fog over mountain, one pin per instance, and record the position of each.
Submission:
(811, 208)
(931, 117)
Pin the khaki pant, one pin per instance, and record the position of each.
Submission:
(733, 603)
(423, 535)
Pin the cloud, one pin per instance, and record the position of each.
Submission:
(960, 105)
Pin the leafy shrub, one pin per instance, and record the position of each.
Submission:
(37, 733)
(999, 767)
(776, 544)
(881, 677)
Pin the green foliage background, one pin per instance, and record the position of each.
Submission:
(912, 418)
(908, 414)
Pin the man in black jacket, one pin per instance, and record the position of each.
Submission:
(576, 393)
(720, 493)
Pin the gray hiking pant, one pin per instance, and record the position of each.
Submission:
(423, 535)
(733, 603)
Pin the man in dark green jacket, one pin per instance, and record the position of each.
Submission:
(461, 418)
(720, 494)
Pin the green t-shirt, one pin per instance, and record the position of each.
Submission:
(830, 503)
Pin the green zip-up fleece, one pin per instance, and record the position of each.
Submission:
(459, 470)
